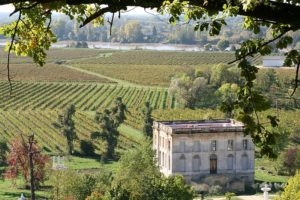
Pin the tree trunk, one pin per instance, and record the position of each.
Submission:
(31, 167)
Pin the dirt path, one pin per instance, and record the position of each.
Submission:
(118, 81)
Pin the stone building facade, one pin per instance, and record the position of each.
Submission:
(207, 150)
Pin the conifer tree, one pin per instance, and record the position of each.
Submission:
(109, 121)
(67, 126)
(148, 120)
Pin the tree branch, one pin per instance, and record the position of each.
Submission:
(9, 51)
(296, 78)
(23, 8)
(258, 48)
(279, 12)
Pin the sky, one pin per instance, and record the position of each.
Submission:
(6, 8)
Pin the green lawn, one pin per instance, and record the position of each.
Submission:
(268, 174)
(78, 163)
(10, 192)
(131, 132)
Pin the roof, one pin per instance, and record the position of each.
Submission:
(273, 57)
(200, 126)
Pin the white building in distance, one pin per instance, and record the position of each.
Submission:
(209, 151)
(273, 61)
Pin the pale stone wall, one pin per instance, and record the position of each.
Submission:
(189, 154)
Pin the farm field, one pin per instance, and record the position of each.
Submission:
(152, 67)
(162, 58)
(49, 72)
(147, 75)
(54, 55)
(85, 96)
(12, 123)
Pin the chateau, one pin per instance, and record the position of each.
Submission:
(210, 151)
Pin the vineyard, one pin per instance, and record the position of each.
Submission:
(163, 58)
(13, 123)
(54, 55)
(49, 72)
(147, 75)
(41, 94)
(85, 96)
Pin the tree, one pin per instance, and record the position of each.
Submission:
(25, 157)
(138, 177)
(131, 32)
(148, 120)
(67, 126)
(292, 189)
(31, 35)
(228, 92)
(3, 150)
(191, 92)
(109, 121)
(223, 44)
(290, 160)
(221, 74)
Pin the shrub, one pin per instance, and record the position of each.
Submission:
(215, 190)
(71, 185)
(87, 147)
(229, 195)
(292, 190)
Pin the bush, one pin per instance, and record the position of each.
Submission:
(215, 190)
(71, 185)
(201, 188)
(292, 190)
(87, 148)
(229, 195)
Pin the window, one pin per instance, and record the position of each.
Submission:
(214, 145)
(169, 160)
(245, 162)
(159, 158)
(181, 166)
(230, 162)
(245, 144)
(196, 146)
(213, 164)
(230, 145)
(196, 163)
(182, 146)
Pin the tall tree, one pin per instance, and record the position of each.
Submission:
(3, 150)
(148, 120)
(191, 92)
(67, 126)
(109, 121)
(25, 157)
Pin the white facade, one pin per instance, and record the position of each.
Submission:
(198, 149)
(273, 61)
